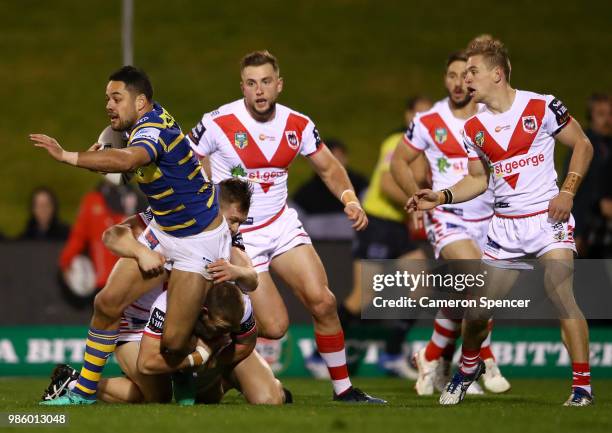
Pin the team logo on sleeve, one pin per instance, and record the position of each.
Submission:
(479, 138)
(156, 322)
(292, 139)
(530, 124)
(441, 135)
(241, 140)
(559, 110)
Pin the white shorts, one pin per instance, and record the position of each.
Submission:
(513, 238)
(190, 253)
(131, 329)
(276, 236)
(136, 315)
(444, 228)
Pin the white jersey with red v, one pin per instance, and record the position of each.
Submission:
(518, 145)
(438, 133)
(240, 146)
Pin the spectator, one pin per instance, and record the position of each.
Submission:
(44, 223)
(107, 205)
(586, 210)
(320, 211)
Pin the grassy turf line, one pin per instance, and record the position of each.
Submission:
(531, 406)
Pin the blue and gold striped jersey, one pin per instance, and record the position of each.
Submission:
(182, 201)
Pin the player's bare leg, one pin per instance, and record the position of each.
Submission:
(125, 284)
(256, 381)
(499, 282)
(269, 308)
(558, 282)
(302, 270)
(186, 293)
(151, 388)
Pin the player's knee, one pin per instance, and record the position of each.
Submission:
(324, 305)
(108, 306)
(273, 328)
(271, 395)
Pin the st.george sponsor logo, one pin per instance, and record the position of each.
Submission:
(510, 166)
(265, 175)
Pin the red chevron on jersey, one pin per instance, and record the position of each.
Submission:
(289, 145)
(442, 136)
(525, 132)
(247, 150)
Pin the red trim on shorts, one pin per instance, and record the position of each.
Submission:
(493, 257)
(150, 334)
(267, 223)
(129, 332)
(261, 264)
(465, 219)
(521, 216)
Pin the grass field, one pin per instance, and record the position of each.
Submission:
(531, 406)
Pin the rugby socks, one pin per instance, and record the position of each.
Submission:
(100, 345)
(331, 348)
(446, 331)
(581, 373)
(469, 361)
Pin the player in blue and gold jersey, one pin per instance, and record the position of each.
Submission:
(187, 232)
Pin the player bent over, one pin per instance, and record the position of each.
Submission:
(229, 327)
(456, 231)
(514, 135)
(256, 139)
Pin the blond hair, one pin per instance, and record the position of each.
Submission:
(493, 52)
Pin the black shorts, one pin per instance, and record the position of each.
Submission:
(383, 239)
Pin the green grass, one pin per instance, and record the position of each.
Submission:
(531, 406)
(348, 64)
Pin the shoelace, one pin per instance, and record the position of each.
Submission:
(455, 382)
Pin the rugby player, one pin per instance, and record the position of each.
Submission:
(514, 134)
(455, 231)
(186, 225)
(255, 138)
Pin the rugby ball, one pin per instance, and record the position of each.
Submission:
(111, 139)
(81, 277)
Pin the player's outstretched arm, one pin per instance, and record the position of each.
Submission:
(401, 171)
(107, 161)
(472, 185)
(337, 181)
(120, 240)
(573, 136)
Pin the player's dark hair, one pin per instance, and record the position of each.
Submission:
(234, 190)
(493, 51)
(596, 98)
(136, 80)
(412, 101)
(258, 58)
(225, 307)
(457, 56)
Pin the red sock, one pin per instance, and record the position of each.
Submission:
(581, 376)
(445, 332)
(469, 360)
(331, 348)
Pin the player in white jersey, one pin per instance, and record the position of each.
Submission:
(457, 231)
(257, 139)
(514, 134)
